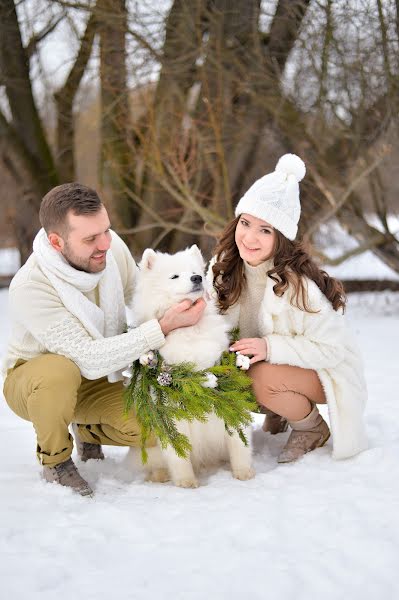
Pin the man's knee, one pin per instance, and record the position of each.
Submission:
(127, 424)
(55, 389)
(44, 387)
(55, 371)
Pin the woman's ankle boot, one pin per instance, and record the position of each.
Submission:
(274, 423)
(306, 435)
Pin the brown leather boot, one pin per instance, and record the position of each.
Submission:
(274, 423)
(86, 450)
(66, 474)
(307, 434)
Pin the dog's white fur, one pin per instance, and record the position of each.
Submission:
(163, 281)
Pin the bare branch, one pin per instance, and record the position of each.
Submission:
(284, 31)
(338, 204)
(64, 98)
(31, 47)
(145, 44)
(374, 241)
(384, 39)
(85, 6)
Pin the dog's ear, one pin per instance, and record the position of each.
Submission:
(148, 259)
(195, 251)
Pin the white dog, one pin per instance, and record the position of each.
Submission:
(164, 280)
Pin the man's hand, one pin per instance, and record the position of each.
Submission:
(184, 314)
(255, 347)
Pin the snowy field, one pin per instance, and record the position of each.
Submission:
(315, 529)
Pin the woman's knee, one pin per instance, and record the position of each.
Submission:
(266, 377)
(262, 382)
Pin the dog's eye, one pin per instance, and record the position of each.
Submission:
(175, 277)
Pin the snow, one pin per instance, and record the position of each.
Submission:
(9, 261)
(334, 242)
(315, 529)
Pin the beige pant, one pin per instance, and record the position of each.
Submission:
(49, 391)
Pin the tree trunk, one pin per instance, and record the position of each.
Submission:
(64, 99)
(14, 70)
(116, 171)
(163, 137)
(24, 147)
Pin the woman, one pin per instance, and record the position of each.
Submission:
(290, 317)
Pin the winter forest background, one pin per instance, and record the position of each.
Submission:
(171, 109)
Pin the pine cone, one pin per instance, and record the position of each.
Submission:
(164, 378)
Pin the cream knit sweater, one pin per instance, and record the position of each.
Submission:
(251, 300)
(40, 323)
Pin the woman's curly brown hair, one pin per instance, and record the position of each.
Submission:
(291, 263)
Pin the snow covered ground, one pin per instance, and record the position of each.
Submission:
(315, 529)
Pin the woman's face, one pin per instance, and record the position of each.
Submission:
(255, 239)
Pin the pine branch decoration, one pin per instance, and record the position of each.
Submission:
(163, 394)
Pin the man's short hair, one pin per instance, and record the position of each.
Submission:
(68, 197)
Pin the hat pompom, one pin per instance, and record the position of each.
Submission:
(291, 164)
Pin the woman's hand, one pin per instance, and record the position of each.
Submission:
(255, 347)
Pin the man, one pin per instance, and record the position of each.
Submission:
(68, 342)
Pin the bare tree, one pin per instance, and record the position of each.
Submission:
(227, 87)
(333, 106)
(24, 146)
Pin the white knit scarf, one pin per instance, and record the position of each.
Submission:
(107, 319)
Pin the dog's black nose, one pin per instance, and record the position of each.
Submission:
(196, 278)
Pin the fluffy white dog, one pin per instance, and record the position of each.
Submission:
(164, 280)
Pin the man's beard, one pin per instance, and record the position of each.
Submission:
(82, 264)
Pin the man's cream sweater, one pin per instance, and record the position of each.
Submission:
(40, 323)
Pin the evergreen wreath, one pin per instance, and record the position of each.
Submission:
(162, 394)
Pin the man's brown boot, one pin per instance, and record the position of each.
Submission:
(66, 474)
(86, 450)
(307, 434)
(274, 423)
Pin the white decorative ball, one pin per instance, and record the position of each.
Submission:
(211, 381)
(291, 164)
(144, 359)
(148, 359)
(242, 361)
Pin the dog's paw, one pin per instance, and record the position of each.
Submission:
(244, 474)
(186, 483)
(158, 476)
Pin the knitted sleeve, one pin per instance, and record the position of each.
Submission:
(98, 358)
(37, 308)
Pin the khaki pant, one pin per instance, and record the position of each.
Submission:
(49, 391)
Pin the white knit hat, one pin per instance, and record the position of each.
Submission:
(274, 198)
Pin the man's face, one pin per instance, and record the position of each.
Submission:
(86, 244)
